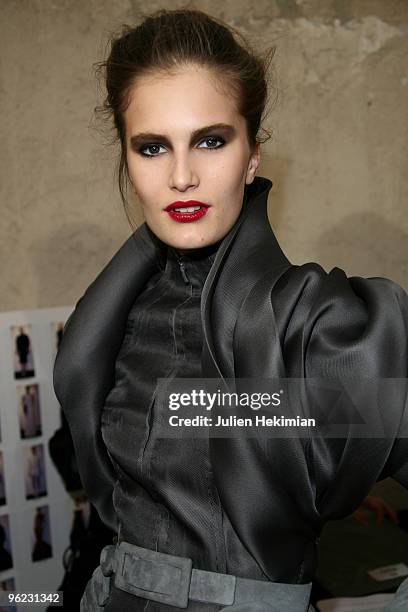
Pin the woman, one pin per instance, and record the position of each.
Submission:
(202, 289)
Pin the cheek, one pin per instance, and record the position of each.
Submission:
(145, 188)
(149, 211)
(229, 170)
(231, 197)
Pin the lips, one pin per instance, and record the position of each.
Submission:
(186, 204)
(187, 211)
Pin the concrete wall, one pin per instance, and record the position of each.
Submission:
(338, 157)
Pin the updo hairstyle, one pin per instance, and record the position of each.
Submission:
(166, 40)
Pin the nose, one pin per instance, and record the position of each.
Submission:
(182, 174)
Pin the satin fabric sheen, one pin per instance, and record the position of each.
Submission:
(165, 497)
(261, 317)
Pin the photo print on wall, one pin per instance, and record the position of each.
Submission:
(23, 357)
(6, 559)
(2, 482)
(41, 545)
(57, 328)
(29, 414)
(8, 585)
(34, 472)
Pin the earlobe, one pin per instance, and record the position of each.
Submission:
(250, 175)
(251, 172)
(253, 165)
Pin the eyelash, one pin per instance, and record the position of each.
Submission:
(146, 146)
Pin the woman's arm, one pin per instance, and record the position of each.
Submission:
(94, 465)
(354, 332)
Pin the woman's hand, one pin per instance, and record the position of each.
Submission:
(379, 507)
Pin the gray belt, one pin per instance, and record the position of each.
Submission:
(172, 580)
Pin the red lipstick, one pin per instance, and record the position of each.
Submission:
(187, 211)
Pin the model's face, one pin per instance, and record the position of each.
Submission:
(174, 157)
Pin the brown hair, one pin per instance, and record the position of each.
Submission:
(166, 39)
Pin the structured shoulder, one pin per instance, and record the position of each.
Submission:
(341, 323)
(310, 282)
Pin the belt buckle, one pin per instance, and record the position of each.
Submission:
(153, 575)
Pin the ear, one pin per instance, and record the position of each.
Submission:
(253, 164)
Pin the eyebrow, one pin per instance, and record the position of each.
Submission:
(138, 139)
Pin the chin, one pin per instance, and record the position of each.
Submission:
(190, 242)
(186, 238)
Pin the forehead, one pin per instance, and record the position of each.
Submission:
(188, 98)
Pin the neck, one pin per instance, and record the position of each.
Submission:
(198, 253)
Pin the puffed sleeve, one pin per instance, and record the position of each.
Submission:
(84, 369)
(95, 467)
(397, 462)
(350, 328)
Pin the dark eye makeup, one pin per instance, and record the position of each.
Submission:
(155, 145)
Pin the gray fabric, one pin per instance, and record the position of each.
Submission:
(96, 593)
(262, 606)
(400, 601)
(277, 596)
(254, 595)
(152, 575)
(219, 588)
(309, 324)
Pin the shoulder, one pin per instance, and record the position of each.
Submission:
(313, 285)
(342, 322)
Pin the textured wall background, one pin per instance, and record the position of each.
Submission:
(338, 157)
